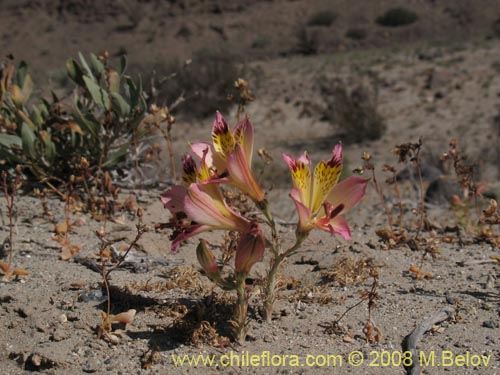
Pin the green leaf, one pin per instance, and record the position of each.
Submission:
(74, 71)
(55, 99)
(28, 139)
(49, 149)
(114, 81)
(22, 72)
(123, 64)
(96, 65)
(27, 86)
(115, 157)
(36, 116)
(8, 143)
(9, 140)
(99, 96)
(85, 66)
(135, 93)
(89, 125)
(120, 106)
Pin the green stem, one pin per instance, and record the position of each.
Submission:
(270, 288)
(240, 314)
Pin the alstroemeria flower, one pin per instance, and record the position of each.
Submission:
(202, 211)
(207, 260)
(319, 198)
(250, 250)
(230, 156)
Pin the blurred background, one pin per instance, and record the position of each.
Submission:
(368, 73)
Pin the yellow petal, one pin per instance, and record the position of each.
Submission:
(301, 176)
(326, 175)
(222, 137)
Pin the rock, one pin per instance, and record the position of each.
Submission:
(6, 299)
(451, 300)
(490, 324)
(91, 365)
(59, 335)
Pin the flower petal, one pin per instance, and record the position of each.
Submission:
(348, 192)
(251, 247)
(241, 176)
(222, 137)
(188, 232)
(206, 258)
(189, 170)
(200, 207)
(301, 176)
(303, 212)
(326, 175)
(173, 198)
(337, 225)
(203, 148)
(243, 134)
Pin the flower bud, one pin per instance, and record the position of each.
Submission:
(250, 250)
(207, 260)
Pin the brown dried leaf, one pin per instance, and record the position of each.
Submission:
(68, 250)
(4, 267)
(62, 227)
(20, 272)
(130, 203)
(124, 317)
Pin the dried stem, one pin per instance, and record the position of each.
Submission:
(421, 190)
(382, 200)
(400, 203)
(141, 229)
(10, 209)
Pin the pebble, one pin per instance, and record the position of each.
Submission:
(91, 365)
(59, 335)
(451, 300)
(92, 295)
(490, 324)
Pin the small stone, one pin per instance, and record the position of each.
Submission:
(348, 339)
(6, 299)
(487, 306)
(59, 335)
(490, 324)
(451, 300)
(36, 360)
(63, 318)
(91, 365)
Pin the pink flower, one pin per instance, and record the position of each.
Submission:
(195, 210)
(319, 199)
(230, 156)
(250, 250)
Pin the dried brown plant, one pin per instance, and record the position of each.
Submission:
(411, 152)
(9, 191)
(349, 271)
(110, 261)
(373, 333)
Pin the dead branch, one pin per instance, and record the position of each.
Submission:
(410, 342)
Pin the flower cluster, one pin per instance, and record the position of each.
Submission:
(198, 205)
